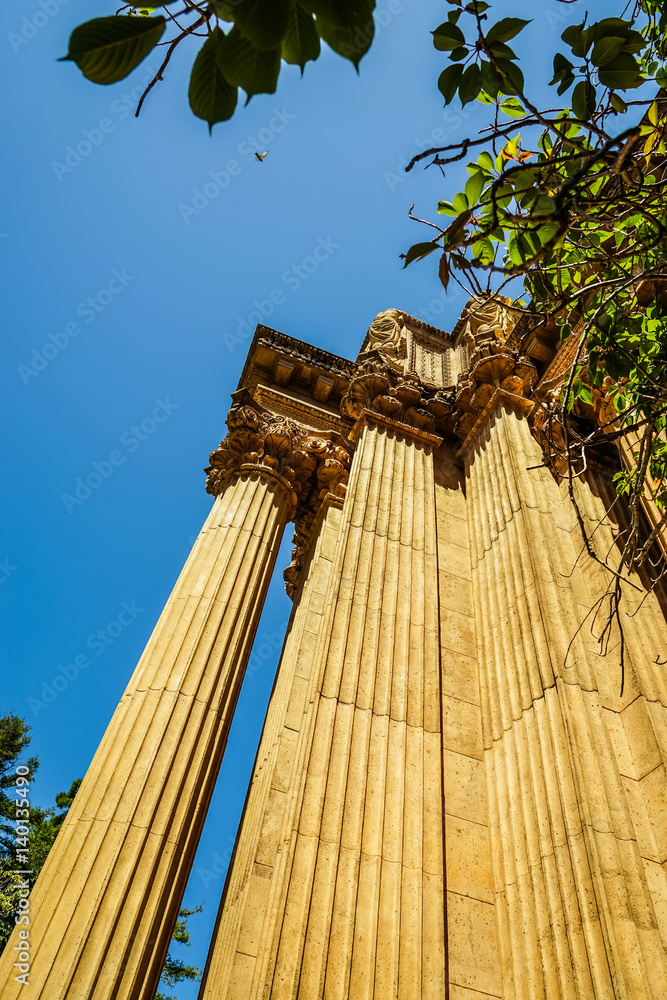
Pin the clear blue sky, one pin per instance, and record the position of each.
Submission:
(167, 285)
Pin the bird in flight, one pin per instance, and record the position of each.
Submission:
(260, 156)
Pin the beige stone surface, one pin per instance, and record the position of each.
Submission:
(462, 727)
(465, 787)
(473, 950)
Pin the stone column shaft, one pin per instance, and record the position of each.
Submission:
(242, 945)
(106, 901)
(577, 917)
(365, 905)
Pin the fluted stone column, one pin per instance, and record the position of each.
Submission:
(637, 716)
(577, 920)
(359, 908)
(104, 906)
(364, 914)
(241, 947)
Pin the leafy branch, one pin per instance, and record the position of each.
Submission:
(574, 208)
(247, 53)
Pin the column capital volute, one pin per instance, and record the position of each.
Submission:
(277, 448)
(399, 400)
(496, 373)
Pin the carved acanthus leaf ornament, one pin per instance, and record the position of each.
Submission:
(311, 467)
(493, 365)
(262, 442)
(327, 484)
(380, 389)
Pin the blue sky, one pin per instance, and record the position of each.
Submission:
(136, 268)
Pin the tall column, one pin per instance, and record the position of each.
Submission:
(249, 908)
(103, 909)
(242, 943)
(359, 906)
(577, 920)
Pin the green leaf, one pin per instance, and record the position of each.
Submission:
(621, 73)
(343, 14)
(563, 73)
(211, 96)
(505, 29)
(618, 104)
(418, 251)
(263, 22)
(448, 82)
(483, 250)
(501, 51)
(584, 100)
(492, 82)
(471, 84)
(544, 205)
(351, 43)
(456, 231)
(512, 108)
(607, 49)
(586, 395)
(610, 26)
(485, 160)
(474, 187)
(243, 65)
(511, 75)
(302, 40)
(107, 49)
(461, 203)
(616, 366)
(578, 38)
(446, 208)
(447, 36)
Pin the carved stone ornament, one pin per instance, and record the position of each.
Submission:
(259, 441)
(311, 467)
(328, 483)
(399, 397)
(387, 339)
(488, 319)
(547, 428)
(547, 417)
(492, 367)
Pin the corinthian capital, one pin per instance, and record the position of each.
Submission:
(262, 442)
(398, 398)
(493, 366)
